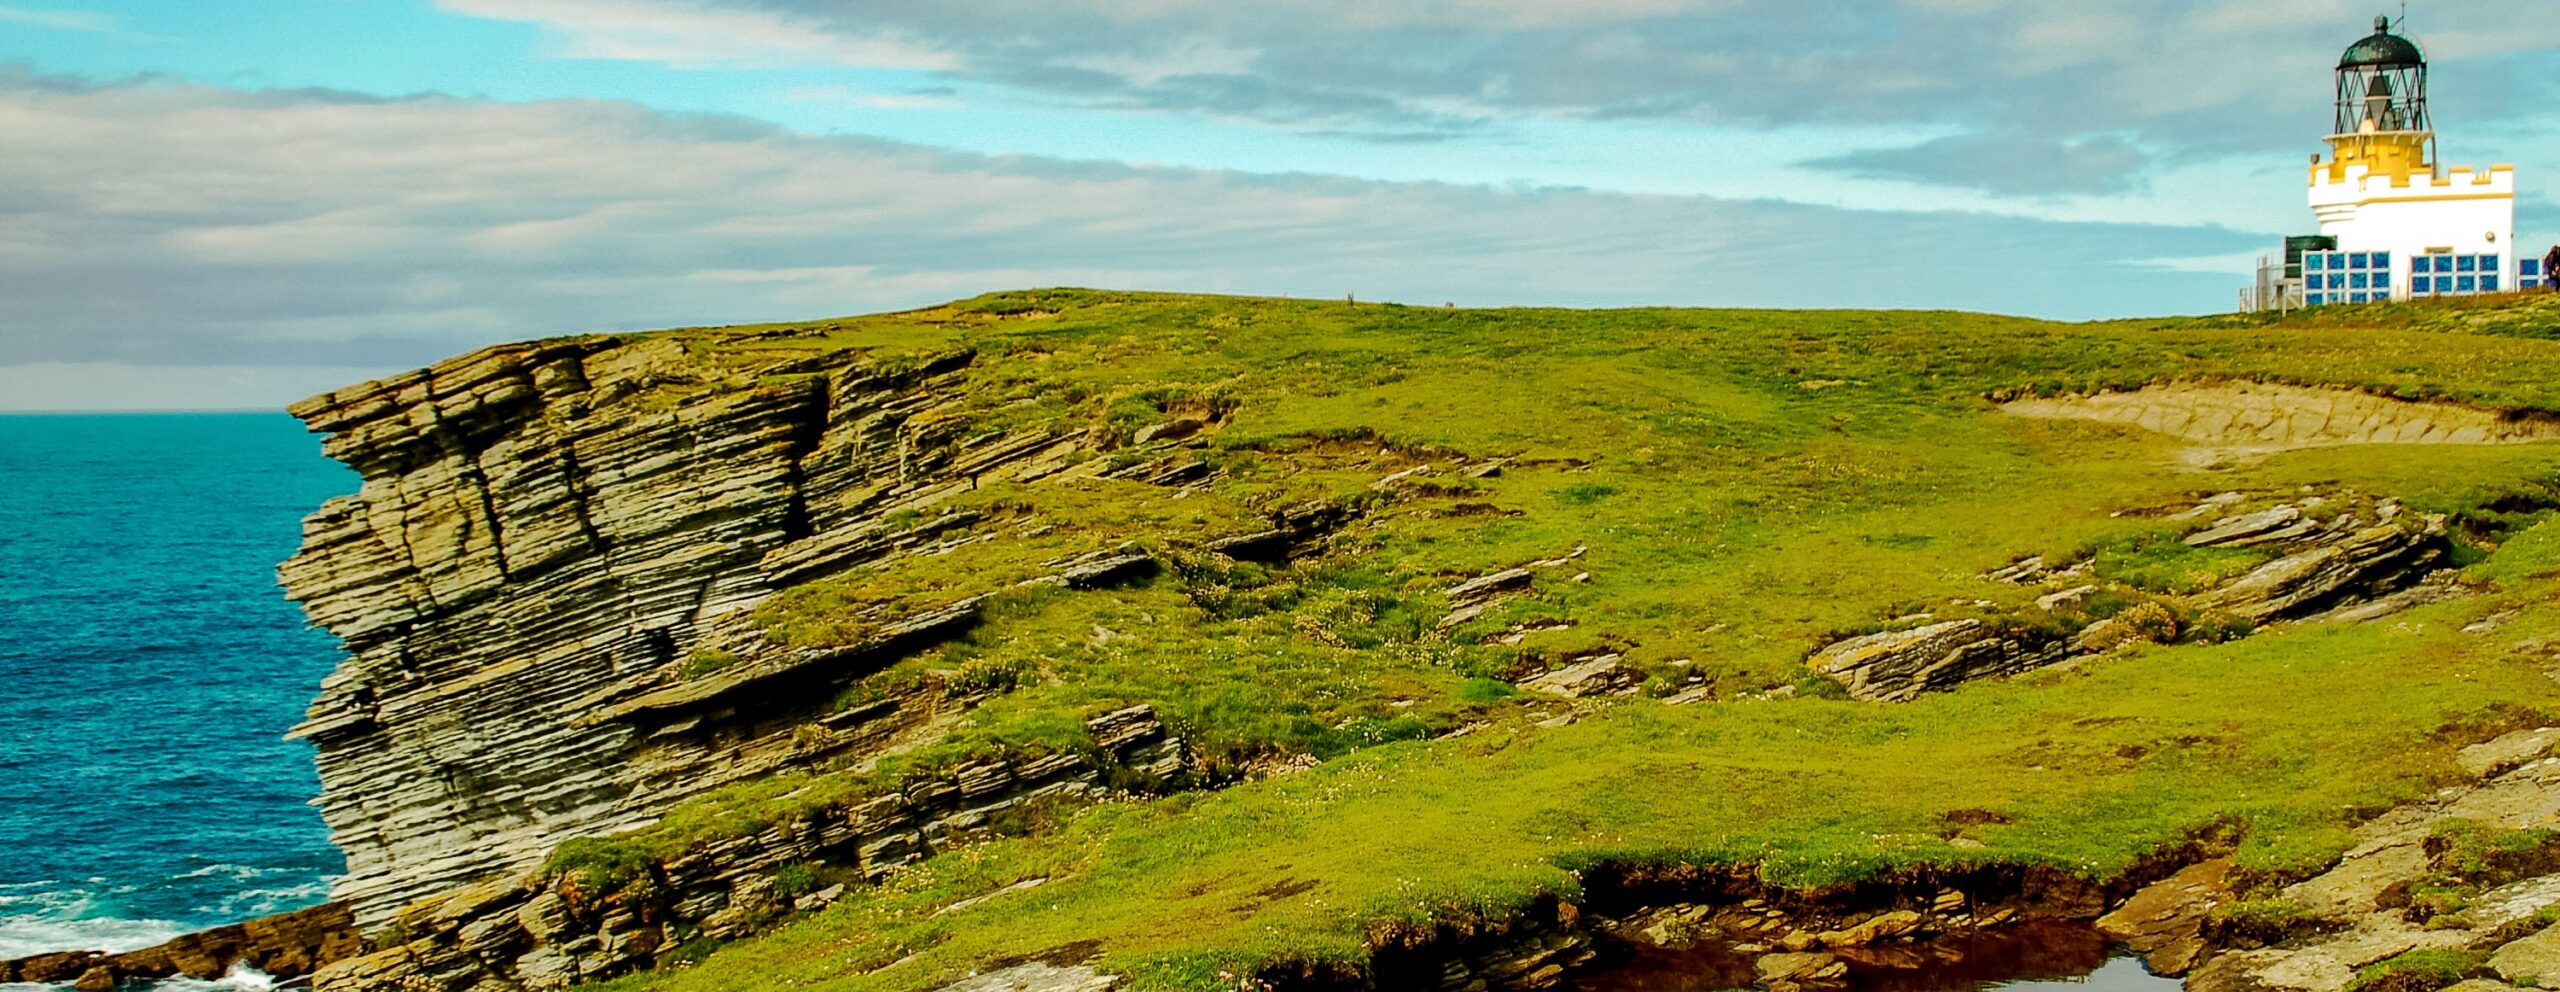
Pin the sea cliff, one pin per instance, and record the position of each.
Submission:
(1163, 640)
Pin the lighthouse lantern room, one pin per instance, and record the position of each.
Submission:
(2395, 222)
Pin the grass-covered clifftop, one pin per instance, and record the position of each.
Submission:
(1714, 495)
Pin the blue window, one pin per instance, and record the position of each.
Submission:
(2364, 297)
(2489, 282)
(2315, 299)
(2315, 261)
(2337, 280)
(2444, 284)
(2358, 281)
(2382, 260)
(2529, 267)
(2436, 263)
(2467, 263)
(2381, 295)
(2467, 284)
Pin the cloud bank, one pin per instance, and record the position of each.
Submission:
(2023, 86)
(154, 224)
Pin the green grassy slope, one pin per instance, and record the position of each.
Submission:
(1747, 485)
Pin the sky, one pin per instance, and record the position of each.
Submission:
(237, 203)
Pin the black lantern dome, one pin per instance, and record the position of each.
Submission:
(2382, 85)
(2382, 48)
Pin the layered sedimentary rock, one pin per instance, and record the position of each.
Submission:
(284, 946)
(540, 930)
(2341, 557)
(1897, 665)
(2273, 416)
(545, 531)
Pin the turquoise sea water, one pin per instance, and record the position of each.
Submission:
(148, 665)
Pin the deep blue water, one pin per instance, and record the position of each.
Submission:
(148, 666)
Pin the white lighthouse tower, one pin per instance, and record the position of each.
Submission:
(2395, 223)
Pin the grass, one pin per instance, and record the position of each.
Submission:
(2092, 769)
(2420, 971)
(2158, 561)
(1735, 489)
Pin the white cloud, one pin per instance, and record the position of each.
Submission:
(936, 99)
(2189, 78)
(289, 230)
(67, 20)
(699, 34)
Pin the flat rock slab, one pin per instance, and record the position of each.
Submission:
(2523, 798)
(2514, 901)
(2165, 921)
(2313, 970)
(1795, 969)
(2351, 889)
(2534, 959)
(1037, 977)
(2385, 934)
(2490, 758)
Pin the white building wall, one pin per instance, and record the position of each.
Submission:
(2466, 212)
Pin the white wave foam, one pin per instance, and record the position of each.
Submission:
(39, 917)
(241, 978)
(243, 872)
(24, 935)
(262, 902)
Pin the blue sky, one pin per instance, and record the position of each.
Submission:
(232, 203)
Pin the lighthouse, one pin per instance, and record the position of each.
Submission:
(2396, 223)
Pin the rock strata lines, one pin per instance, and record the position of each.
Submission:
(2249, 416)
(544, 530)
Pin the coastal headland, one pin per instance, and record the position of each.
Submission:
(1145, 641)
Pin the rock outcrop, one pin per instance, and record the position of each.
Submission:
(2333, 557)
(285, 946)
(2364, 912)
(2165, 921)
(1897, 665)
(546, 930)
(545, 534)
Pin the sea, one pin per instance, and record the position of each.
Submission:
(149, 666)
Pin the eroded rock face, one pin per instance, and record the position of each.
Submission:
(2337, 558)
(284, 946)
(538, 931)
(2252, 416)
(544, 530)
(1897, 665)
